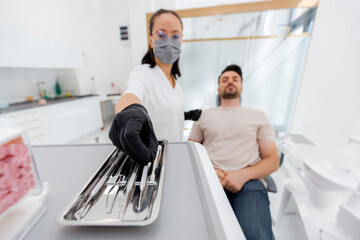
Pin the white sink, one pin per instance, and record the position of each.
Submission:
(328, 184)
(331, 177)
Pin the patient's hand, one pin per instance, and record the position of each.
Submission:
(221, 175)
(235, 180)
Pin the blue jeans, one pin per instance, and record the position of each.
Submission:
(251, 207)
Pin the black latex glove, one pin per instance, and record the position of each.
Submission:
(193, 115)
(133, 133)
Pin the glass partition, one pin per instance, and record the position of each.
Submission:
(270, 46)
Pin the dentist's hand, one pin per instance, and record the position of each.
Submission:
(193, 115)
(133, 133)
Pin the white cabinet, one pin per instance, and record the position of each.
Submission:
(57, 123)
(18, 49)
(35, 52)
(71, 120)
(89, 114)
(32, 121)
(8, 52)
(4, 123)
(63, 122)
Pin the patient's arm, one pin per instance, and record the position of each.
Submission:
(235, 180)
(220, 173)
(269, 160)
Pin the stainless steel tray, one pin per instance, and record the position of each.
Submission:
(121, 193)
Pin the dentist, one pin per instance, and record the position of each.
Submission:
(153, 104)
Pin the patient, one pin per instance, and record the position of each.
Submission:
(241, 145)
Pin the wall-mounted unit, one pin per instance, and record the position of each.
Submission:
(124, 34)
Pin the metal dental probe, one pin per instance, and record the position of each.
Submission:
(118, 178)
(99, 188)
(153, 189)
(129, 191)
(144, 179)
(84, 196)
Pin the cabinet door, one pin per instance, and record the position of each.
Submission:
(64, 122)
(19, 49)
(89, 114)
(32, 121)
(4, 121)
(57, 123)
(8, 51)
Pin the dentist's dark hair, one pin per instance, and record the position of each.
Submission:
(232, 67)
(149, 57)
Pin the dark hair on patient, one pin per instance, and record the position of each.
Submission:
(149, 57)
(232, 67)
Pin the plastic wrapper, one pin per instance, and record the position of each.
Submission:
(18, 174)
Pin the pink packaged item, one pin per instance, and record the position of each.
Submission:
(24, 161)
(16, 149)
(18, 176)
(4, 194)
(3, 152)
(2, 167)
(10, 167)
(5, 182)
(24, 171)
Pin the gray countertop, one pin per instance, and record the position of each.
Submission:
(67, 168)
(49, 101)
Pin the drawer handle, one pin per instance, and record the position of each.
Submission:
(33, 128)
(22, 123)
(22, 114)
(36, 136)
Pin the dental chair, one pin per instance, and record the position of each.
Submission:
(271, 185)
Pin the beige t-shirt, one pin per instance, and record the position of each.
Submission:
(229, 134)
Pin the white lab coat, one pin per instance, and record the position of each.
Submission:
(164, 103)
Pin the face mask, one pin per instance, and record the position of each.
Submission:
(167, 51)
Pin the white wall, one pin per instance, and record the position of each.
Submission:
(119, 56)
(18, 83)
(93, 25)
(138, 32)
(328, 106)
(185, 4)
